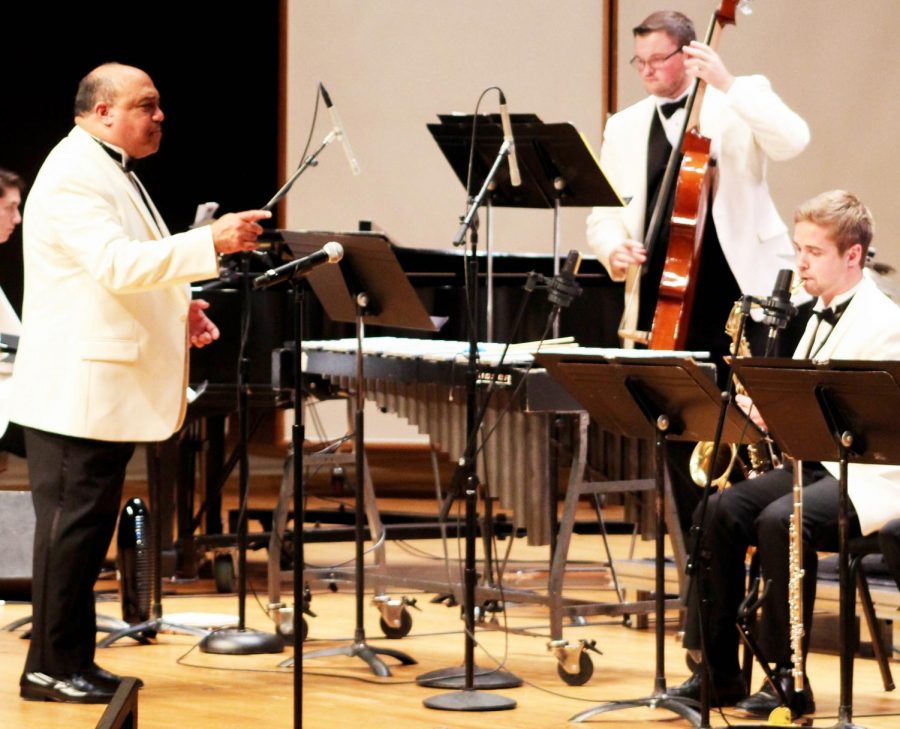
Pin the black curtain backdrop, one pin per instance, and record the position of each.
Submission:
(215, 65)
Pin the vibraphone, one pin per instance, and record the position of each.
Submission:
(422, 381)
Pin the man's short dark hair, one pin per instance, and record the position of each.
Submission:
(94, 88)
(9, 180)
(679, 27)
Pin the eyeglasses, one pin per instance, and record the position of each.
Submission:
(655, 63)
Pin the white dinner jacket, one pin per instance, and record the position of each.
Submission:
(747, 126)
(868, 329)
(103, 352)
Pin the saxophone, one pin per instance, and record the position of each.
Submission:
(762, 455)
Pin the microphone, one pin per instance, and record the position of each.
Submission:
(514, 176)
(563, 288)
(339, 130)
(777, 309)
(331, 252)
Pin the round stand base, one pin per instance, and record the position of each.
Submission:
(238, 642)
(469, 701)
(455, 678)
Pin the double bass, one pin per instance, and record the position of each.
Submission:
(692, 184)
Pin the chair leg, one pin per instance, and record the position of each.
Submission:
(747, 658)
(865, 598)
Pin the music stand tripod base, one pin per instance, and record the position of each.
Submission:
(368, 653)
(143, 632)
(676, 705)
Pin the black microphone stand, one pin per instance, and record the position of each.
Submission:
(298, 435)
(240, 640)
(470, 698)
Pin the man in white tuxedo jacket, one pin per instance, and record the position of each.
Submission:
(102, 362)
(746, 242)
(853, 320)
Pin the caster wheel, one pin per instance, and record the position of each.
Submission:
(585, 671)
(223, 570)
(398, 632)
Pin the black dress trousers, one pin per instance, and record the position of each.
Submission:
(76, 487)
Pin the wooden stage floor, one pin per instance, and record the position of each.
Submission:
(187, 688)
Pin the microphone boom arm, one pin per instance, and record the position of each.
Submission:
(310, 161)
(502, 154)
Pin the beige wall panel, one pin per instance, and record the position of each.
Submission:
(392, 65)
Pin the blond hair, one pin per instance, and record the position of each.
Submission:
(845, 217)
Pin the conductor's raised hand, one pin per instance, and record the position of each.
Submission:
(236, 232)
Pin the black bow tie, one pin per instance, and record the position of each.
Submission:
(123, 160)
(832, 315)
(670, 107)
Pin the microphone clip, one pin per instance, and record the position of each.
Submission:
(777, 312)
(561, 289)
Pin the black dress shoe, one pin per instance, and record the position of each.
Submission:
(764, 701)
(724, 691)
(74, 689)
(106, 678)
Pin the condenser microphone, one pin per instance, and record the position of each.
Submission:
(778, 308)
(331, 252)
(563, 288)
(339, 131)
(514, 176)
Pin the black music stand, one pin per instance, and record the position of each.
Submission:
(848, 409)
(557, 167)
(668, 397)
(366, 287)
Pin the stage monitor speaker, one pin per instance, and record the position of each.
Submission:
(16, 544)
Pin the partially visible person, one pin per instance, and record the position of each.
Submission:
(852, 320)
(102, 361)
(12, 187)
(889, 541)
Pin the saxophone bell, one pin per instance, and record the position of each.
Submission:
(702, 464)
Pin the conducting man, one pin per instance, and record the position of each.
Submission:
(102, 363)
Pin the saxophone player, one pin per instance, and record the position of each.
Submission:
(852, 320)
